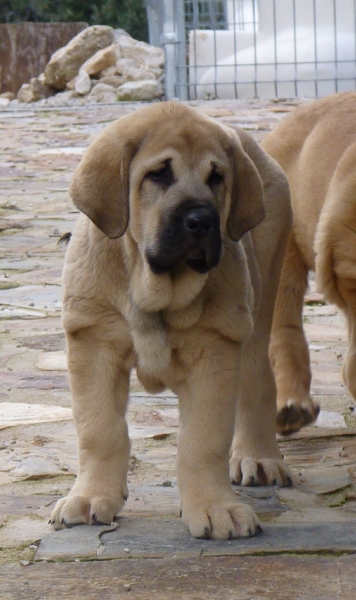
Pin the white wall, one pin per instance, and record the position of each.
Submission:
(307, 53)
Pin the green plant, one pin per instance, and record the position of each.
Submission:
(125, 14)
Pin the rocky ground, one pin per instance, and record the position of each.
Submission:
(309, 531)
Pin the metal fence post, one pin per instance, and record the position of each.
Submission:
(181, 52)
(166, 28)
(169, 38)
(155, 21)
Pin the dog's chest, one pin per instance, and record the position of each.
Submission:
(168, 342)
(156, 335)
(185, 317)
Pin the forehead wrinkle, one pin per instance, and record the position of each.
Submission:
(153, 161)
(198, 167)
(196, 134)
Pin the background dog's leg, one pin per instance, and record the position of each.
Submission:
(289, 352)
(99, 383)
(207, 407)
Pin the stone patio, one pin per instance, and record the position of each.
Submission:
(306, 549)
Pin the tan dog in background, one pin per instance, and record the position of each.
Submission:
(175, 272)
(316, 147)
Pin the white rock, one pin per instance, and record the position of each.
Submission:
(147, 89)
(108, 72)
(141, 52)
(103, 93)
(66, 62)
(52, 361)
(4, 102)
(8, 95)
(63, 97)
(82, 83)
(40, 87)
(132, 70)
(119, 32)
(102, 59)
(28, 94)
(71, 84)
(114, 80)
(126, 65)
(34, 91)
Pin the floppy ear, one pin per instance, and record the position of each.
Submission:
(247, 197)
(100, 186)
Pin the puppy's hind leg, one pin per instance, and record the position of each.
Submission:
(255, 456)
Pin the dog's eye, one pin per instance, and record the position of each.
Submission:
(215, 178)
(163, 176)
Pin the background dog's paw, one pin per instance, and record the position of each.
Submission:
(78, 510)
(224, 520)
(295, 415)
(267, 471)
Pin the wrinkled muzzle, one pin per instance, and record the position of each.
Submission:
(191, 232)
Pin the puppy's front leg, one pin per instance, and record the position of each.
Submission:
(99, 384)
(207, 407)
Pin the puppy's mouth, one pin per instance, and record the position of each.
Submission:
(191, 234)
(196, 260)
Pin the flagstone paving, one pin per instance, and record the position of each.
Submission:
(309, 540)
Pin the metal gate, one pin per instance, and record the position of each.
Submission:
(248, 48)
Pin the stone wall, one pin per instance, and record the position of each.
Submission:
(25, 49)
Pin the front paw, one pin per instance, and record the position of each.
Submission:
(267, 471)
(76, 509)
(219, 518)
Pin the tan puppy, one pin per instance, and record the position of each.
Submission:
(166, 276)
(316, 147)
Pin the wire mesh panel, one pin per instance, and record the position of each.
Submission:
(205, 15)
(265, 48)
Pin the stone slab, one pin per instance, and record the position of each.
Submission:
(38, 297)
(11, 505)
(330, 419)
(13, 414)
(162, 538)
(327, 480)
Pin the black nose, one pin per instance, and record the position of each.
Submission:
(199, 222)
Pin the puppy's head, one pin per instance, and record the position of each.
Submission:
(178, 180)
